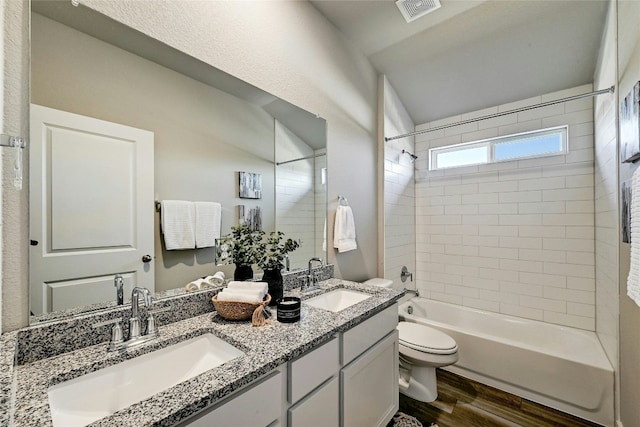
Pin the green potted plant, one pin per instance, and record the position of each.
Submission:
(273, 252)
(243, 248)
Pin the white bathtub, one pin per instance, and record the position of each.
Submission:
(560, 367)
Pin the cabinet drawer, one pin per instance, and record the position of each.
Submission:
(359, 338)
(312, 369)
(259, 405)
(320, 409)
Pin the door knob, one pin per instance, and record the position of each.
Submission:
(146, 258)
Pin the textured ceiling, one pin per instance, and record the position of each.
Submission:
(470, 55)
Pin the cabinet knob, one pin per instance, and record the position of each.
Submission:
(146, 258)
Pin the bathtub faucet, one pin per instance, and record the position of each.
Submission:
(411, 291)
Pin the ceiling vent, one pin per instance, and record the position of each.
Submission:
(414, 9)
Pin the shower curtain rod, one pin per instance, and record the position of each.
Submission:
(504, 113)
(301, 158)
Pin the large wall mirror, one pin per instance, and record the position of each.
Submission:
(206, 126)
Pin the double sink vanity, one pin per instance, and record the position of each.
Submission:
(336, 366)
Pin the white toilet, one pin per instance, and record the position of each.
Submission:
(422, 350)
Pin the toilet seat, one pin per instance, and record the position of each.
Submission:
(425, 339)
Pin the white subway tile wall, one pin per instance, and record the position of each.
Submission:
(515, 237)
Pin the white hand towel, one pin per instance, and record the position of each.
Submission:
(178, 224)
(208, 216)
(263, 287)
(244, 295)
(344, 230)
(633, 280)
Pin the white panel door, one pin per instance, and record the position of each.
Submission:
(92, 207)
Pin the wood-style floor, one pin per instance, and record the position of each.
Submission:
(465, 403)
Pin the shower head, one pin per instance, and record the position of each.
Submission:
(413, 156)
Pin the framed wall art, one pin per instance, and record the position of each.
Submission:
(251, 216)
(250, 185)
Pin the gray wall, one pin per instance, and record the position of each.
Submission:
(14, 121)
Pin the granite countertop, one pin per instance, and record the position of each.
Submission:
(24, 387)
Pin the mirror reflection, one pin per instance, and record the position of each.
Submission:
(93, 207)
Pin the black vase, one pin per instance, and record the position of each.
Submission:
(273, 277)
(243, 272)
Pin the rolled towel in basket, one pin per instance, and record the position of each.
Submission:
(196, 285)
(244, 295)
(261, 286)
(217, 279)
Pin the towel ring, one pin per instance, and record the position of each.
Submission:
(342, 201)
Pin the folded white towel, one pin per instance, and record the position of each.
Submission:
(259, 286)
(178, 224)
(244, 295)
(633, 279)
(207, 228)
(344, 230)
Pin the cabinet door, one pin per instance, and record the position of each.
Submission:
(320, 409)
(370, 385)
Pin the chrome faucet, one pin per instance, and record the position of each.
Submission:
(134, 322)
(136, 337)
(311, 278)
(118, 282)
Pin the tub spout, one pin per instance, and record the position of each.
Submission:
(416, 292)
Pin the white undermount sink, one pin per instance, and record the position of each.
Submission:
(93, 396)
(336, 300)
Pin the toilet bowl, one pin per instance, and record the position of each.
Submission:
(421, 350)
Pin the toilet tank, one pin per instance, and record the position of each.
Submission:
(377, 281)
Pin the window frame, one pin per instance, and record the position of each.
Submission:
(490, 144)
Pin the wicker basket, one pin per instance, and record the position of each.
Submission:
(237, 310)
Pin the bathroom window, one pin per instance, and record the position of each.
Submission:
(526, 145)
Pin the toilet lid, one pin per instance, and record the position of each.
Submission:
(423, 338)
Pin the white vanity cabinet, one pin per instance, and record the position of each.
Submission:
(350, 381)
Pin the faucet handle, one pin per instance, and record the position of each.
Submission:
(117, 337)
(152, 327)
